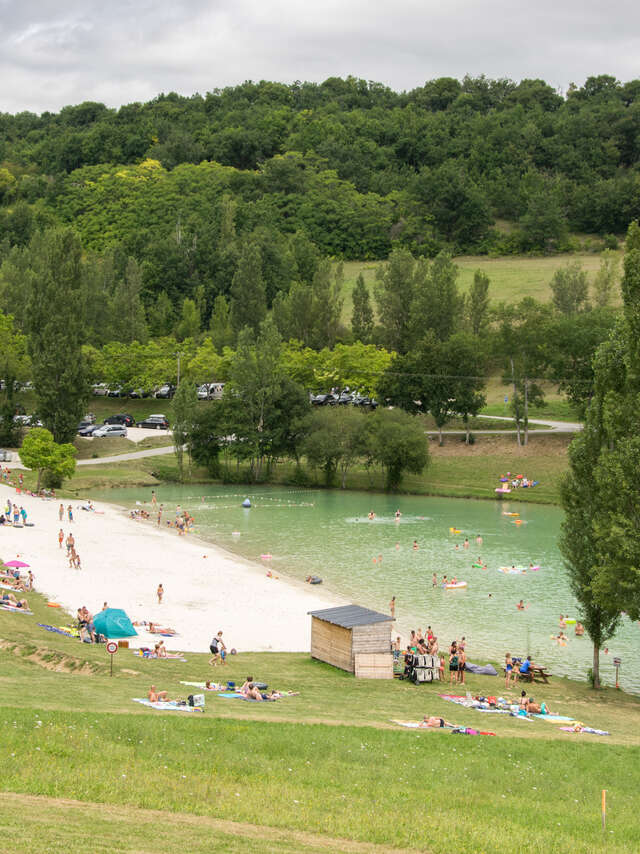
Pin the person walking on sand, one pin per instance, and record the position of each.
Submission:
(61, 512)
(160, 593)
(60, 538)
(70, 513)
(160, 514)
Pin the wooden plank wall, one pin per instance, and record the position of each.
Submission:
(331, 644)
(374, 665)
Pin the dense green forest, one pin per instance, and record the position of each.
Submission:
(129, 235)
(181, 184)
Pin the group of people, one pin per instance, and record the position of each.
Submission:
(421, 644)
(11, 578)
(86, 627)
(70, 544)
(14, 514)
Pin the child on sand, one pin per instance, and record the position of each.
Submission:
(60, 538)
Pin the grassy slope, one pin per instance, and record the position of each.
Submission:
(326, 762)
(512, 278)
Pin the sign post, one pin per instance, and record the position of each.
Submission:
(112, 648)
(616, 663)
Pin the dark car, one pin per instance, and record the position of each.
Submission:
(154, 422)
(115, 392)
(345, 398)
(138, 393)
(367, 402)
(127, 420)
(85, 428)
(324, 400)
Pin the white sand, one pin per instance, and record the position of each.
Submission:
(123, 561)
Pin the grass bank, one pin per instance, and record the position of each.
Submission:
(325, 770)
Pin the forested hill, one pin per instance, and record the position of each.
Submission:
(353, 164)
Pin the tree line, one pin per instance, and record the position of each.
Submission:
(429, 169)
(414, 340)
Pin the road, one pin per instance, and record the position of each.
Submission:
(546, 427)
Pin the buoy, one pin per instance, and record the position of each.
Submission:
(246, 503)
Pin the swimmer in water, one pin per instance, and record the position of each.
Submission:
(398, 514)
(371, 515)
(457, 547)
(415, 545)
(379, 558)
(479, 540)
(397, 546)
(465, 545)
(434, 580)
(520, 605)
(444, 579)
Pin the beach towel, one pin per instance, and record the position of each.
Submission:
(60, 630)
(555, 719)
(203, 686)
(163, 706)
(584, 729)
(416, 725)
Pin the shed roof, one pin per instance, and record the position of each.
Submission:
(349, 616)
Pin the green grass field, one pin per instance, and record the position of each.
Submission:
(322, 771)
(512, 277)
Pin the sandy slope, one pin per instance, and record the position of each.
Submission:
(123, 561)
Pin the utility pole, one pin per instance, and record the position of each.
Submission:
(178, 355)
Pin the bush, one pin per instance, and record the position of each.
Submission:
(610, 241)
(51, 479)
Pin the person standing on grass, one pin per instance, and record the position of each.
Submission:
(218, 650)
(453, 662)
(160, 593)
(61, 512)
(462, 660)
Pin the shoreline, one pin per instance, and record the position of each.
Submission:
(124, 560)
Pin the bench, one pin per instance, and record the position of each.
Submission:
(536, 673)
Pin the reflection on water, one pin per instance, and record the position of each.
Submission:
(329, 534)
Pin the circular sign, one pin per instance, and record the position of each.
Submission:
(112, 647)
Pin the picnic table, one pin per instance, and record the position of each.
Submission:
(536, 673)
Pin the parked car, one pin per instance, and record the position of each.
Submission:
(203, 392)
(86, 430)
(166, 391)
(368, 402)
(110, 430)
(323, 400)
(138, 393)
(126, 420)
(154, 422)
(116, 392)
(100, 390)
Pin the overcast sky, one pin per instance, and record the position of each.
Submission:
(57, 52)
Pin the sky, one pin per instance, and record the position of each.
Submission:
(57, 52)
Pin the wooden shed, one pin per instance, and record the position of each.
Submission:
(355, 639)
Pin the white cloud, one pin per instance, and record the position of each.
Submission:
(54, 53)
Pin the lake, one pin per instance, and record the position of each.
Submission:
(328, 533)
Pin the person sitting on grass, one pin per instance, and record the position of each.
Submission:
(156, 696)
(245, 687)
(253, 693)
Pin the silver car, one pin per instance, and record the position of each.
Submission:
(110, 430)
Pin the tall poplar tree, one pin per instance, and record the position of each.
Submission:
(55, 327)
(248, 294)
(362, 316)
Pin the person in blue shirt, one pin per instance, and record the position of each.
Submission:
(525, 667)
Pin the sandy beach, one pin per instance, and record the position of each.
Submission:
(207, 589)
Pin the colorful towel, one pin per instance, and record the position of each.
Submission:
(163, 706)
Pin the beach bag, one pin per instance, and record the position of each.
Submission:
(196, 700)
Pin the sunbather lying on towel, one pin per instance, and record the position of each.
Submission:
(435, 722)
(156, 696)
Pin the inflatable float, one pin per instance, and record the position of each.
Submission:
(455, 531)
(510, 514)
(457, 586)
(478, 565)
(511, 570)
(569, 622)
(246, 503)
(53, 605)
(535, 568)
(502, 490)
(314, 579)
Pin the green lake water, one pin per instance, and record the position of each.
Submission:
(327, 533)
